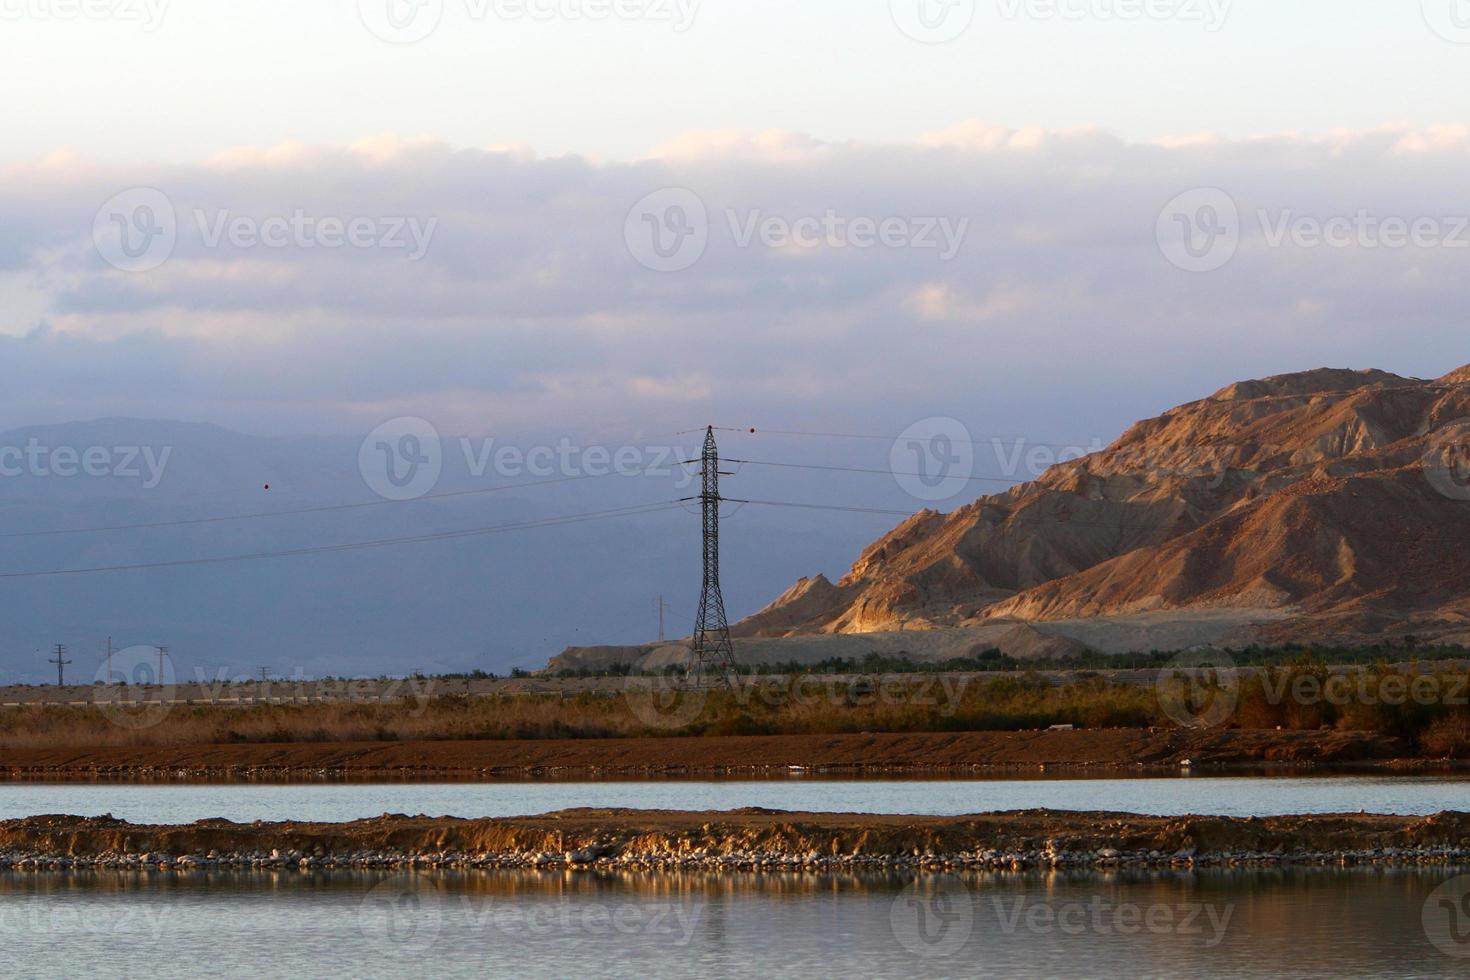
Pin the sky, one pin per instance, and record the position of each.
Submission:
(616, 219)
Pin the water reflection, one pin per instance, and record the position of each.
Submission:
(340, 802)
(1283, 923)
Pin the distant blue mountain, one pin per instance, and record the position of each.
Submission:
(491, 602)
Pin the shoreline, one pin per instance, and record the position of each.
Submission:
(748, 840)
(848, 755)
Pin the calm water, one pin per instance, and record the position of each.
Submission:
(1288, 924)
(184, 803)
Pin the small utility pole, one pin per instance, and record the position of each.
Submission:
(60, 661)
(109, 660)
(662, 608)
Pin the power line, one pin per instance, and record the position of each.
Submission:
(976, 441)
(859, 469)
(357, 545)
(1056, 521)
(326, 508)
(891, 472)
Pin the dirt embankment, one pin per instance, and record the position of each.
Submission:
(749, 839)
(934, 753)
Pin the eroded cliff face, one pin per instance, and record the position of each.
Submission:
(1342, 496)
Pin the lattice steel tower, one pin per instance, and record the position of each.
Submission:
(714, 654)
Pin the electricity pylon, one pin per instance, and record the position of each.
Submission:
(60, 661)
(713, 653)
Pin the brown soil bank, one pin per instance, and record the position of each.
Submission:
(741, 840)
(855, 754)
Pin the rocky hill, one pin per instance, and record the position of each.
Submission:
(1327, 505)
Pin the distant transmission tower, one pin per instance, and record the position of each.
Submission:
(60, 661)
(714, 654)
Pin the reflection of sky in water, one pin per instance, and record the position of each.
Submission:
(184, 803)
(1275, 924)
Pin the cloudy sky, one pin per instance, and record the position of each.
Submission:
(628, 217)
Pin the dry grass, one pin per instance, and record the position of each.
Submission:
(759, 706)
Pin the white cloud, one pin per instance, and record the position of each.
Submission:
(529, 304)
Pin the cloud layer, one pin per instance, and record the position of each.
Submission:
(802, 285)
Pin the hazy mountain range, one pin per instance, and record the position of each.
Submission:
(488, 602)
